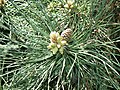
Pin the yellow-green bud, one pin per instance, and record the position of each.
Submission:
(53, 37)
(51, 45)
(57, 43)
(69, 4)
(54, 50)
(61, 50)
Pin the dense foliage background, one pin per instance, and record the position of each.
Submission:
(90, 60)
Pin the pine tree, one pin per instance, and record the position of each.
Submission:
(62, 45)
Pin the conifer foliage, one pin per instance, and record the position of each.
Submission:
(60, 45)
